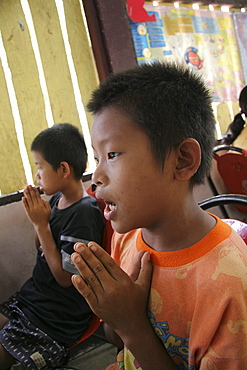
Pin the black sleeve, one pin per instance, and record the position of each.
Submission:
(84, 224)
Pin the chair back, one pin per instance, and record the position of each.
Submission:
(237, 199)
(232, 167)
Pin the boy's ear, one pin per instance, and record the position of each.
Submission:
(188, 159)
(65, 168)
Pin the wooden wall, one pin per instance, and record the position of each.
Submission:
(22, 62)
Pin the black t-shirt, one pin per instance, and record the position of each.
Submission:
(60, 312)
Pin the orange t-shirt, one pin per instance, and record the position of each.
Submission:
(198, 299)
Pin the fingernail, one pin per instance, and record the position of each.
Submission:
(79, 247)
(148, 256)
(93, 248)
(75, 257)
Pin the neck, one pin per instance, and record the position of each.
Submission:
(188, 229)
(72, 194)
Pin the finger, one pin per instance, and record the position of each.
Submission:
(84, 290)
(46, 204)
(136, 266)
(107, 261)
(33, 191)
(28, 195)
(101, 263)
(88, 273)
(24, 202)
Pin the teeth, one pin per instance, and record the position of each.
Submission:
(112, 206)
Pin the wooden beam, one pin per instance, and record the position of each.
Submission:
(112, 41)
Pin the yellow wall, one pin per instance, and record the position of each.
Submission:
(22, 63)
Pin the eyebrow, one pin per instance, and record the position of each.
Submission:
(105, 140)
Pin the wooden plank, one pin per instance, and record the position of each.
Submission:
(16, 39)
(81, 51)
(54, 61)
(12, 175)
(118, 41)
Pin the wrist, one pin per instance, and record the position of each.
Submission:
(135, 330)
(42, 228)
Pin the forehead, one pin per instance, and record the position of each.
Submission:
(37, 155)
(38, 158)
(112, 124)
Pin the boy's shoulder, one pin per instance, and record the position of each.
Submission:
(85, 204)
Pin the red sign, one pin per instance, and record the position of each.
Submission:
(137, 13)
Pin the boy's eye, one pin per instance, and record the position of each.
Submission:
(113, 155)
(96, 161)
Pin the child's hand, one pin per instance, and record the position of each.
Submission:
(37, 209)
(115, 297)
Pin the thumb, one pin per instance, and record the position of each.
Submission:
(46, 204)
(136, 267)
(145, 274)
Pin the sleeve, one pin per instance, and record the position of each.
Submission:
(218, 339)
(228, 348)
(84, 225)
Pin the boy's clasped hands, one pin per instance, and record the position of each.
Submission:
(112, 294)
(38, 210)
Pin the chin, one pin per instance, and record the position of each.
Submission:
(120, 228)
(47, 192)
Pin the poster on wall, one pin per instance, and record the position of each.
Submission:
(240, 23)
(202, 39)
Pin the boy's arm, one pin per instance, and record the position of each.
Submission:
(121, 302)
(38, 211)
(37, 242)
(112, 337)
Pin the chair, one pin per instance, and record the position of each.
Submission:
(232, 167)
(94, 324)
(236, 199)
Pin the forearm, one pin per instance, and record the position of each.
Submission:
(52, 255)
(112, 337)
(37, 242)
(148, 349)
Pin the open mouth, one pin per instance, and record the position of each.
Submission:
(112, 206)
(110, 210)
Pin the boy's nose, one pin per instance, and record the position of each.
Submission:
(100, 175)
(95, 181)
(94, 186)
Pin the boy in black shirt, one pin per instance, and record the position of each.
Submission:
(48, 315)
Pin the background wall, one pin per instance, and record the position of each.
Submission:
(47, 75)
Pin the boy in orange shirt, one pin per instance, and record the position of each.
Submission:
(178, 299)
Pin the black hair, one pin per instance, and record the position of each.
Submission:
(168, 102)
(62, 142)
(243, 100)
(236, 127)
